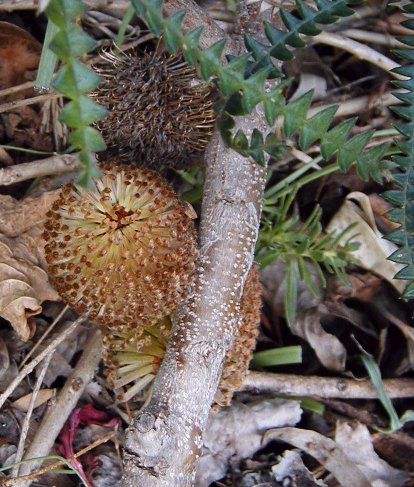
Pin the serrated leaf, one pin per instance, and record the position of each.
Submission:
(274, 105)
(211, 60)
(335, 138)
(61, 12)
(87, 138)
(253, 91)
(82, 111)
(314, 128)
(352, 149)
(406, 274)
(240, 142)
(408, 293)
(232, 75)
(74, 79)
(172, 31)
(295, 114)
(190, 45)
(71, 42)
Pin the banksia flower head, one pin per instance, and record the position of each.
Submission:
(125, 248)
(238, 357)
(132, 358)
(158, 112)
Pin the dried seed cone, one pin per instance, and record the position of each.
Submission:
(238, 357)
(157, 112)
(132, 358)
(125, 248)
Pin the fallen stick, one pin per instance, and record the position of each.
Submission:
(324, 387)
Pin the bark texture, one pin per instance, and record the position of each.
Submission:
(164, 441)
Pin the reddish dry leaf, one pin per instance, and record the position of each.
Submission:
(19, 53)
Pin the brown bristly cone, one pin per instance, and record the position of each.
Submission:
(125, 248)
(238, 357)
(159, 112)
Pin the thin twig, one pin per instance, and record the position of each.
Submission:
(324, 387)
(16, 89)
(26, 422)
(31, 365)
(11, 105)
(45, 334)
(59, 411)
(373, 38)
(359, 50)
(358, 105)
(50, 166)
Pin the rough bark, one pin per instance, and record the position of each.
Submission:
(164, 441)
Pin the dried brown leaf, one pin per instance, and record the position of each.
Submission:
(329, 350)
(24, 283)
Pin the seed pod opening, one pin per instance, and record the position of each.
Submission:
(158, 110)
(126, 248)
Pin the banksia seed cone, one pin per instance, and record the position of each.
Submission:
(126, 248)
(158, 113)
(238, 357)
(132, 358)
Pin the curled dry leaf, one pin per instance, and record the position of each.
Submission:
(356, 441)
(24, 283)
(329, 350)
(373, 250)
(326, 451)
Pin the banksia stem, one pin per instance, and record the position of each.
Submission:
(158, 112)
(126, 248)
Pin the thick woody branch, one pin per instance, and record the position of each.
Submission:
(164, 441)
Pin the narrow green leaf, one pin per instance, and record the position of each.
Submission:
(375, 376)
(291, 294)
(48, 60)
(277, 356)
